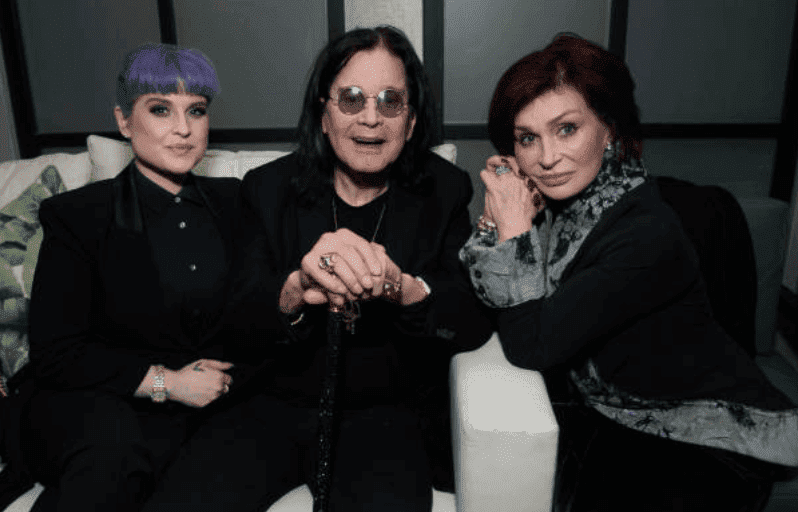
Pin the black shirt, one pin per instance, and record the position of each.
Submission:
(188, 251)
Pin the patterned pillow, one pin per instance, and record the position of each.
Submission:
(20, 239)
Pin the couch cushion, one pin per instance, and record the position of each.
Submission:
(20, 238)
(109, 157)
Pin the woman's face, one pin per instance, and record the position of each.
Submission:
(559, 142)
(168, 132)
(368, 141)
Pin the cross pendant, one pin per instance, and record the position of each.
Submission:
(351, 312)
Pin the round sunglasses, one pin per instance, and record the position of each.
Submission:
(351, 100)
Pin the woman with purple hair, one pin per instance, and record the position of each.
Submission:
(126, 354)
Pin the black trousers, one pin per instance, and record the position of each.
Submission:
(603, 466)
(268, 447)
(96, 451)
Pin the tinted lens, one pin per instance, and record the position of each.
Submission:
(351, 100)
(390, 103)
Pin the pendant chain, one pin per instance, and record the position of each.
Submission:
(379, 221)
(351, 309)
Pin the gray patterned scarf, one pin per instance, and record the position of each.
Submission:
(579, 215)
(516, 271)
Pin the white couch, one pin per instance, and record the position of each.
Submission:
(504, 454)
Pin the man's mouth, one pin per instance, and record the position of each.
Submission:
(368, 141)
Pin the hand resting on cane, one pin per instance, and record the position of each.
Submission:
(343, 266)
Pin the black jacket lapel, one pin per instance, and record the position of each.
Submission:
(405, 225)
(127, 210)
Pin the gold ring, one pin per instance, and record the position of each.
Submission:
(327, 262)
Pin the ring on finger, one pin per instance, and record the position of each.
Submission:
(226, 388)
(484, 225)
(327, 262)
(502, 170)
(392, 290)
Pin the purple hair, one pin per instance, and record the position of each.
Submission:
(164, 68)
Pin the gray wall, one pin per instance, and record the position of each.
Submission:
(710, 61)
(482, 39)
(8, 135)
(73, 50)
(262, 55)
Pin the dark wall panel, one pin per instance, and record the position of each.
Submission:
(73, 50)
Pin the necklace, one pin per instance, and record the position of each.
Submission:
(351, 309)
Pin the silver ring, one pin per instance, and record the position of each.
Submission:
(502, 170)
(327, 262)
(226, 388)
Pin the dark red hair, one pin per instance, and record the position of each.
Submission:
(600, 77)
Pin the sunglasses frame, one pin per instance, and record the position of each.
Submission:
(379, 97)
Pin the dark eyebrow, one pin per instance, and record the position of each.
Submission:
(550, 123)
(165, 101)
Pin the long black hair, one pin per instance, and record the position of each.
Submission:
(317, 158)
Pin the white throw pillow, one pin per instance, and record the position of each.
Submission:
(18, 175)
(108, 157)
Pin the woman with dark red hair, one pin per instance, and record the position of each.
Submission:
(594, 283)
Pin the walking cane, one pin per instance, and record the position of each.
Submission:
(327, 431)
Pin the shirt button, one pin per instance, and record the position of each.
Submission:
(182, 224)
(192, 267)
(178, 199)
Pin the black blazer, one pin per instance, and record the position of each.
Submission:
(96, 314)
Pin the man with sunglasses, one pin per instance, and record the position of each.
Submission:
(363, 219)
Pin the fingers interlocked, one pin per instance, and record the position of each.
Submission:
(344, 264)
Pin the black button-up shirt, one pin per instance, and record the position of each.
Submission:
(188, 251)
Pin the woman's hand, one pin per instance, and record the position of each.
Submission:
(340, 266)
(511, 200)
(199, 383)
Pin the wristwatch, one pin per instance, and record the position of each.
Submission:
(159, 385)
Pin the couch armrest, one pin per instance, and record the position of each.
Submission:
(768, 222)
(504, 433)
